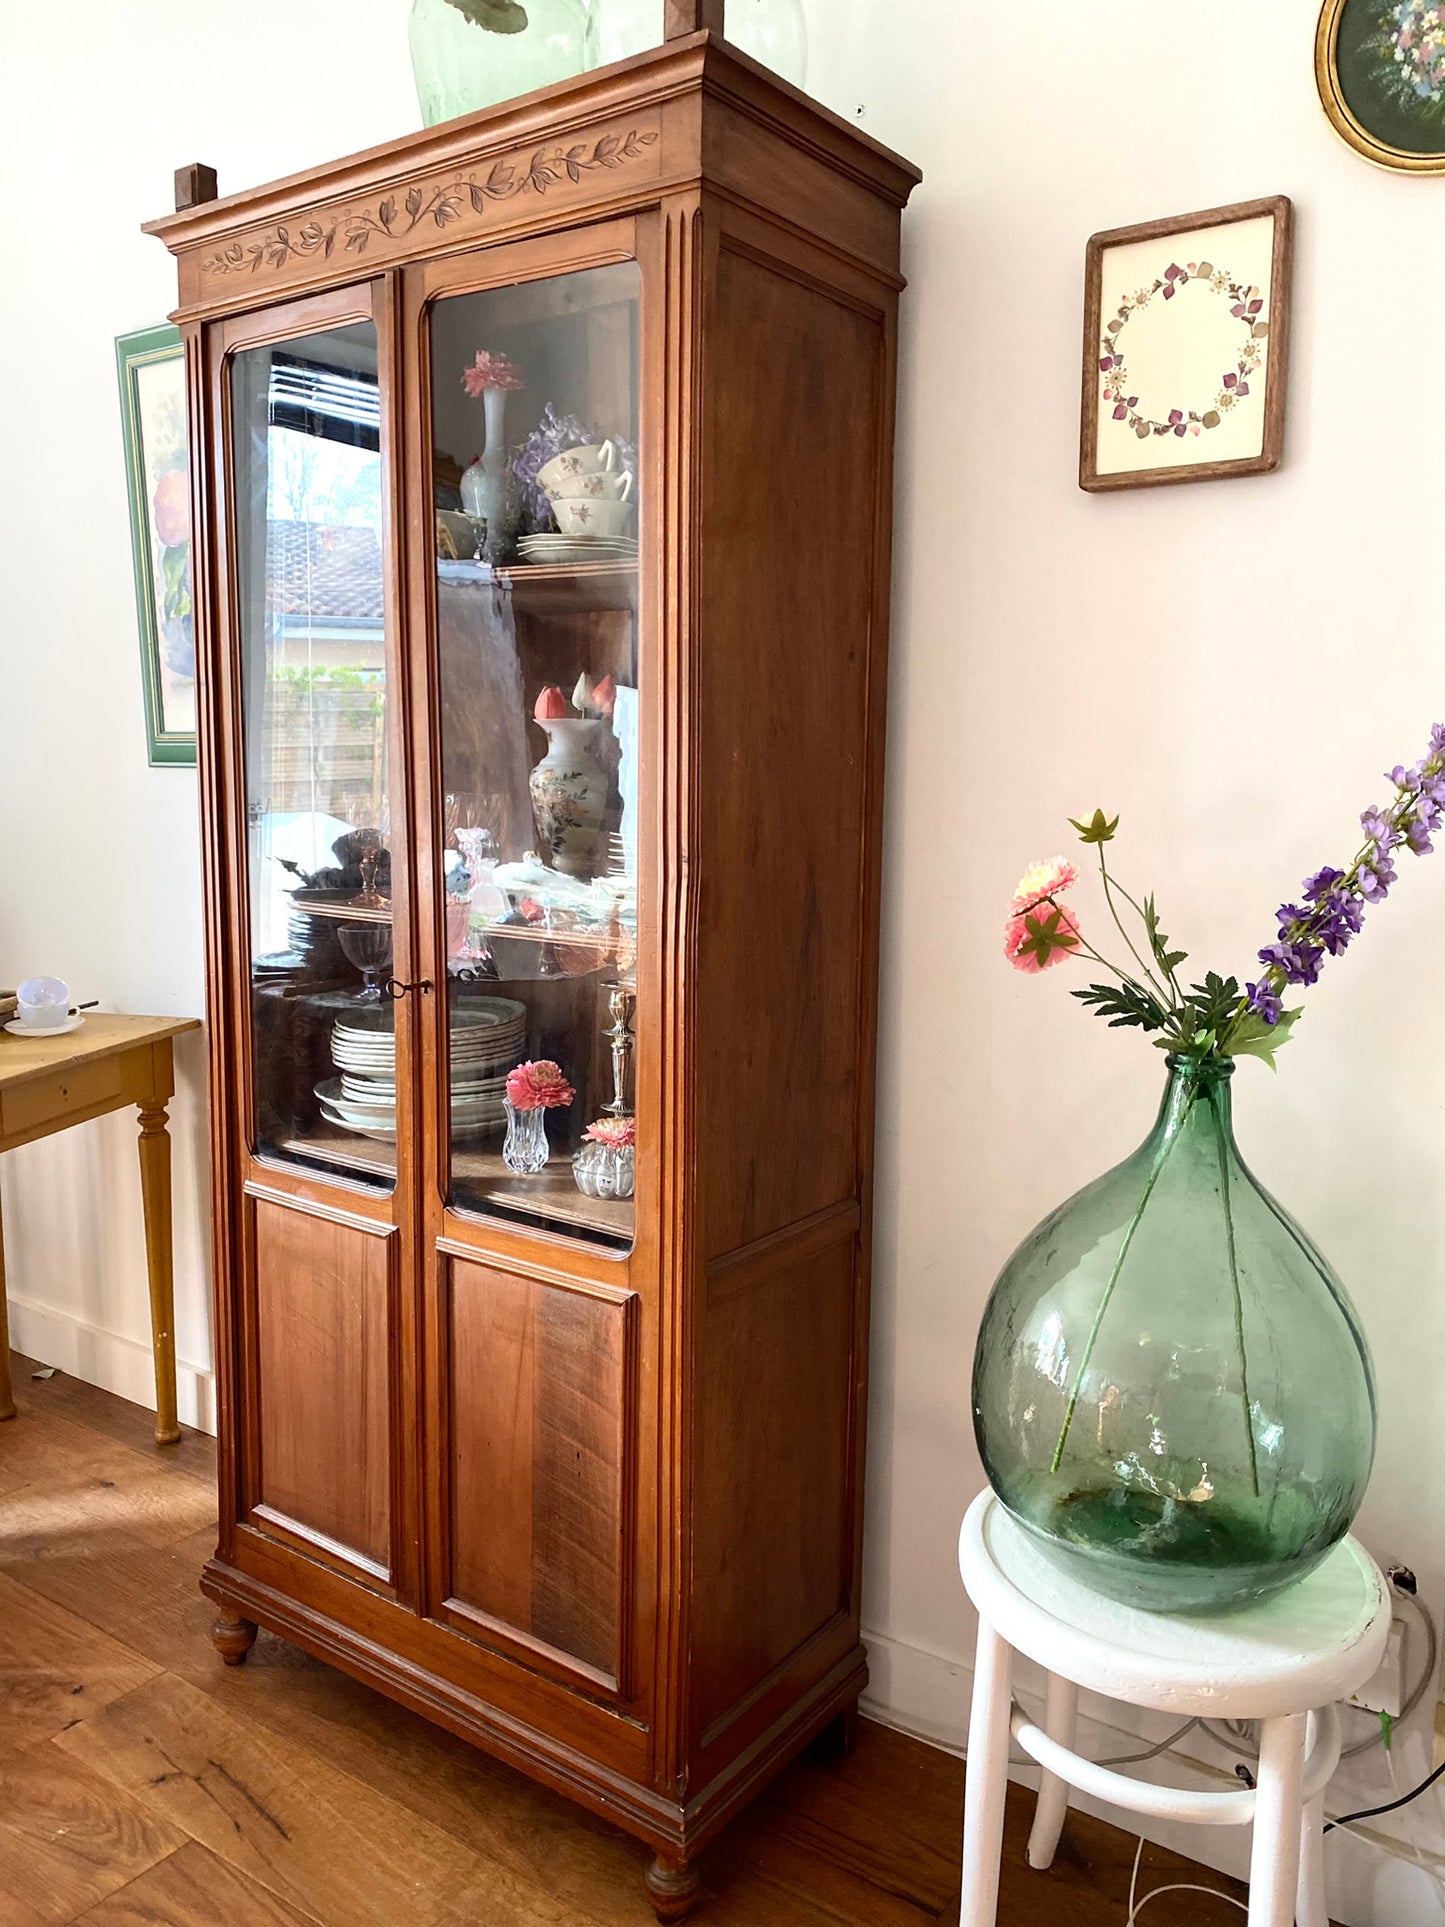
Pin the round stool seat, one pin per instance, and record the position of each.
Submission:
(1305, 1647)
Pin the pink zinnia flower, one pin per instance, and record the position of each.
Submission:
(619, 1132)
(1040, 938)
(1040, 881)
(538, 1087)
(490, 371)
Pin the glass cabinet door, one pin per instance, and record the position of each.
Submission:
(535, 470)
(307, 482)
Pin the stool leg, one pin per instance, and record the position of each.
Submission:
(985, 1784)
(1309, 1906)
(1061, 1714)
(1274, 1861)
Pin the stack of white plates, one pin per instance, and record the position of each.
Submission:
(486, 1039)
(578, 548)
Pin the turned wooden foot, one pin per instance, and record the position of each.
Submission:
(233, 1638)
(673, 1886)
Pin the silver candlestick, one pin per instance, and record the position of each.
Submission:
(621, 1002)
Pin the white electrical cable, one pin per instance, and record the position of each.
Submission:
(1137, 1906)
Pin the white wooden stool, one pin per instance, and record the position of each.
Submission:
(1285, 1662)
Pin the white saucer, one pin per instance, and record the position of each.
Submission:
(17, 1029)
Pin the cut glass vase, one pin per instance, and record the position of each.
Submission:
(1171, 1389)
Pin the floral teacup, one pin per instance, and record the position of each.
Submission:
(599, 486)
(590, 458)
(579, 515)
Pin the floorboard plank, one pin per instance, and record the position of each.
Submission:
(290, 1819)
(68, 1837)
(116, 1418)
(54, 1668)
(193, 1888)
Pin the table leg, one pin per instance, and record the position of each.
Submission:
(7, 1390)
(985, 1785)
(1061, 1718)
(1278, 1820)
(155, 1182)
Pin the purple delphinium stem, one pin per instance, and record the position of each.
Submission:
(1335, 900)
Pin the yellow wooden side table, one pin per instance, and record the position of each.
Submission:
(50, 1083)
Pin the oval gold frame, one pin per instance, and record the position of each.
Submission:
(1401, 160)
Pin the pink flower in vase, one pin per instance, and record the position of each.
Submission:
(490, 371)
(618, 1133)
(538, 1086)
(1041, 938)
(1040, 881)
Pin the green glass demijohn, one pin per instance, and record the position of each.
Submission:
(470, 54)
(1171, 1390)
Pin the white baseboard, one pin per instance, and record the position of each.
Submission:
(105, 1358)
(1371, 1881)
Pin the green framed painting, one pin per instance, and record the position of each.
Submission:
(152, 370)
(1380, 69)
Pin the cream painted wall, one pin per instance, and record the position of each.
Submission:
(1229, 665)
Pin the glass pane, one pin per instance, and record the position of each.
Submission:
(535, 424)
(306, 431)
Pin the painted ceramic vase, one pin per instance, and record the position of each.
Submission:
(468, 54)
(484, 481)
(1171, 1389)
(570, 788)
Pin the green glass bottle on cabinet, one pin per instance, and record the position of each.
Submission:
(1171, 1388)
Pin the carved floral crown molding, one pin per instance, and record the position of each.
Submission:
(355, 228)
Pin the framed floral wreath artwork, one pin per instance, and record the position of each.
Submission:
(1186, 346)
(1380, 69)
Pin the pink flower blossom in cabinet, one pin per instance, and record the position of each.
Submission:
(490, 371)
(617, 1132)
(538, 1086)
(550, 705)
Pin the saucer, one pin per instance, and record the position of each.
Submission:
(17, 1029)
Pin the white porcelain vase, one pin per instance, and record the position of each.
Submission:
(484, 481)
(569, 793)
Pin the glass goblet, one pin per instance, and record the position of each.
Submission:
(368, 947)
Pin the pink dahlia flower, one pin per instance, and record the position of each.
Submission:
(618, 1132)
(538, 1087)
(490, 371)
(1041, 880)
(1040, 938)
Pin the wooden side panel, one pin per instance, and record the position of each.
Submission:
(322, 1394)
(791, 473)
(773, 1504)
(539, 1402)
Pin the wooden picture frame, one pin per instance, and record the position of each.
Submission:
(150, 366)
(1385, 92)
(1202, 399)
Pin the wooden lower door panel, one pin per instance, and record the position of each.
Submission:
(540, 1418)
(322, 1406)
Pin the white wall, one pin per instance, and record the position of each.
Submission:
(1230, 665)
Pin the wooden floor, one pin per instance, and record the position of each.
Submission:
(143, 1784)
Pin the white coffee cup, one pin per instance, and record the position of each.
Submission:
(598, 487)
(44, 1002)
(589, 458)
(579, 515)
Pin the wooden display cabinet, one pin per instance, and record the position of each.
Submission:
(578, 1477)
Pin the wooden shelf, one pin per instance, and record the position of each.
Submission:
(553, 588)
(479, 1179)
